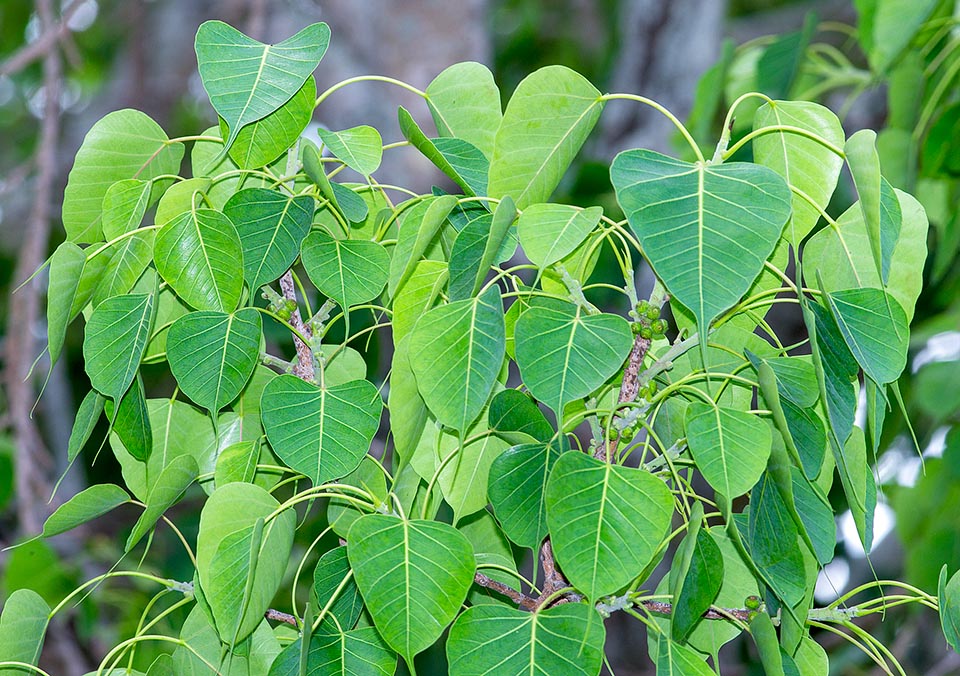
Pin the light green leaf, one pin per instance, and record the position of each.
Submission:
(179, 197)
(247, 80)
(85, 506)
(461, 161)
(116, 336)
(212, 355)
(421, 224)
(549, 232)
(320, 432)
(123, 144)
(564, 353)
(23, 625)
(423, 287)
(676, 659)
(360, 652)
(175, 478)
(949, 596)
(360, 148)
(875, 328)
(260, 143)
(606, 521)
(804, 163)
(730, 447)
(226, 564)
(864, 163)
(199, 255)
(342, 364)
(237, 462)
(408, 412)
(706, 229)
(895, 24)
(127, 261)
(464, 101)
(546, 122)
(859, 486)
(347, 270)
(88, 414)
(413, 576)
(368, 476)
(252, 656)
(66, 268)
(456, 351)
(328, 577)
(494, 640)
(517, 486)
(490, 547)
(271, 227)
(463, 480)
(124, 205)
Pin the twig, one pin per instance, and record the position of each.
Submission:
(304, 366)
(629, 389)
(40, 47)
(277, 616)
(521, 599)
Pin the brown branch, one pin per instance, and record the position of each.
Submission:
(524, 601)
(304, 367)
(277, 616)
(44, 44)
(629, 389)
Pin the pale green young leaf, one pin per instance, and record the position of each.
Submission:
(546, 122)
(124, 205)
(212, 355)
(408, 412)
(895, 24)
(369, 476)
(420, 292)
(413, 575)
(606, 521)
(420, 224)
(271, 227)
(114, 341)
(66, 267)
(706, 229)
(548, 232)
(23, 625)
(360, 148)
(85, 506)
(347, 270)
(199, 255)
(565, 639)
(237, 462)
(676, 659)
(321, 432)
(123, 144)
(180, 197)
(464, 101)
(464, 479)
(247, 80)
(730, 447)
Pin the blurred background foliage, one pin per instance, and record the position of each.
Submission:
(693, 56)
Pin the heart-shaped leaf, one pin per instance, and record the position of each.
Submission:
(456, 351)
(271, 227)
(488, 639)
(212, 355)
(347, 270)
(517, 487)
(247, 80)
(676, 659)
(464, 101)
(606, 521)
(199, 254)
(123, 144)
(549, 232)
(730, 447)
(564, 353)
(360, 148)
(321, 432)
(547, 120)
(116, 336)
(706, 229)
(413, 576)
(875, 328)
(360, 652)
(239, 576)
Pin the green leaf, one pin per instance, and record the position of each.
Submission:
(796, 378)
(321, 432)
(349, 271)
(479, 245)
(895, 24)
(773, 542)
(464, 479)
(765, 638)
(203, 648)
(237, 462)
(360, 148)
(550, 232)
(816, 514)
(491, 548)
(515, 417)
(124, 205)
(66, 269)
(836, 372)
(875, 328)
(84, 423)
(199, 255)
(23, 625)
(675, 659)
(463, 163)
(369, 476)
(695, 577)
(780, 63)
(464, 101)
(546, 122)
(360, 652)
(706, 228)
(421, 224)
(226, 565)
(85, 506)
(127, 261)
(565, 639)
(517, 485)
(116, 336)
(408, 412)
(130, 421)
(212, 355)
(423, 287)
(949, 596)
(413, 576)
(180, 197)
(864, 163)
(859, 486)
(730, 447)
(606, 522)
(271, 227)
(247, 80)
(175, 478)
(804, 163)
(328, 579)
(260, 143)
(842, 255)
(456, 351)
(564, 353)
(123, 144)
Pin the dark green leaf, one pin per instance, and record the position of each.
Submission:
(517, 418)
(116, 336)
(360, 652)
(347, 270)
(328, 579)
(83, 425)
(730, 447)
(517, 487)
(875, 328)
(131, 421)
